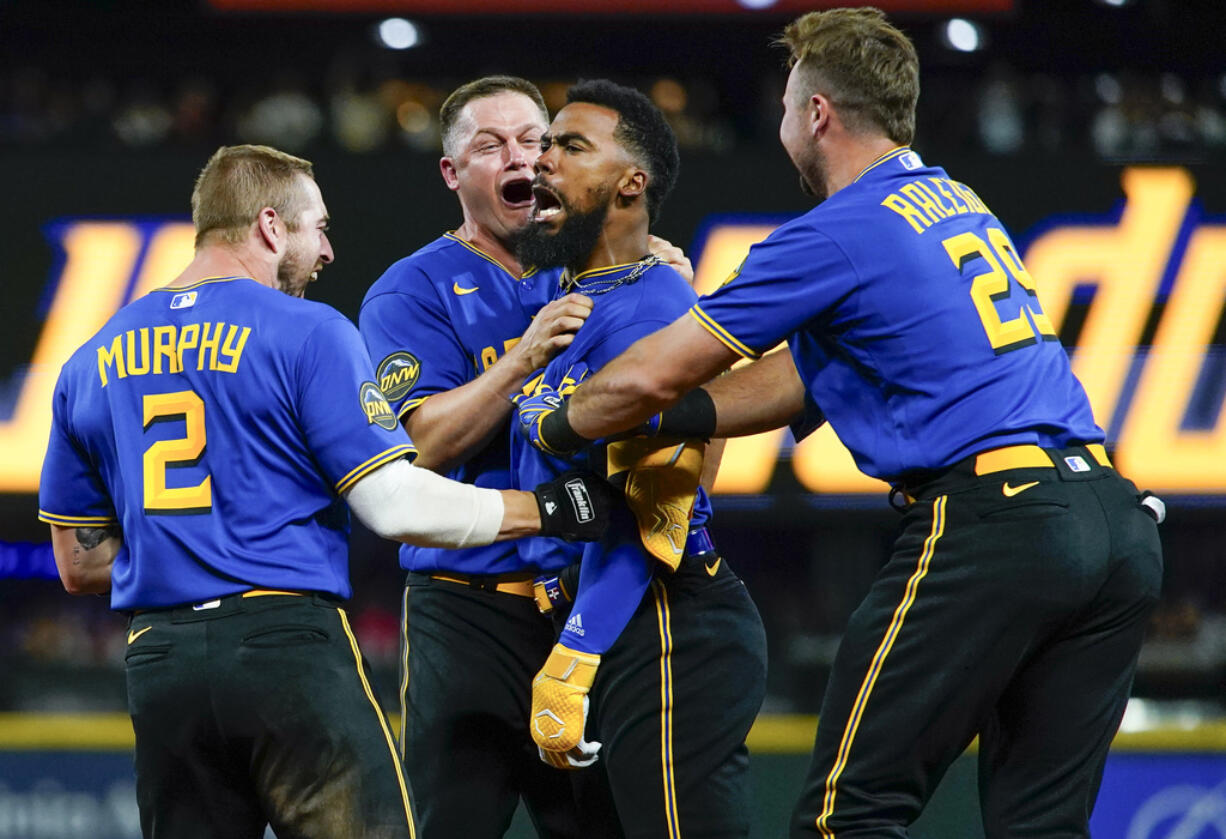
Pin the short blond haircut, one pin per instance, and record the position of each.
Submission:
(868, 68)
(449, 113)
(238, 182)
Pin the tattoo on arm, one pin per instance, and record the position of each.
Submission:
(89, 538)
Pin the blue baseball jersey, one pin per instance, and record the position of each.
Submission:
(218, 424)
(435, 321)
(912, 321)
(621, 314)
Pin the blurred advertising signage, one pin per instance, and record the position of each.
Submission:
(1161, 404)
(1156, 796)
(599, 7)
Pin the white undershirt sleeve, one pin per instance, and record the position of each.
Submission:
(402, 502)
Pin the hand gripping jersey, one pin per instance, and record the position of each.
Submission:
(434, 321)
(218, 424)
(630, 302)
(912, 321)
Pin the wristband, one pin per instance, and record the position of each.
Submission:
(557, 434)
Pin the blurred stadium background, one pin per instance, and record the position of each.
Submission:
(1096, 129)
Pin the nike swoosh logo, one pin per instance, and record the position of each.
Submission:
(1011, 491)
(456, 288)
(713, 568)
(132, 636)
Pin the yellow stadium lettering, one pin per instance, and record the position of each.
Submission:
(1155, 449)
(918, 221)
(208, 344)
(111, 357)
(231, 350)
(1124, 263)
(99, 260)
(164, 348)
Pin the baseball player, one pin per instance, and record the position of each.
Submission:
(1013, 605)
(203, 445)
(455, 329)
(662, 637)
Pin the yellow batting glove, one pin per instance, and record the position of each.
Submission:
(559, 708)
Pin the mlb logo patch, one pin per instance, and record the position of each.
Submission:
(910, 161)
(1077, 464)
(184, 300)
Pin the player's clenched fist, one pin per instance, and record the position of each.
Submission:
(552, 330)
(559, 708)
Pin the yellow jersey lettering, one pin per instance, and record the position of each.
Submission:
(941, 185)
(232, 351)
(111, 356)
(488, 356)
(164, 347)
(972, 199)
(921, 200)
(135, 369)
(936, 199)
(919, 223)
(209, 344)
(189, 339)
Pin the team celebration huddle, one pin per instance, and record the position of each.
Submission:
(534, 405)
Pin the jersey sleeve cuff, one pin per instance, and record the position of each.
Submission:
(366, 467)
(410, 405)
(76, 521)
(722, 335)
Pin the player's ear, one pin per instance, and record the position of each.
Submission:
(819, 114)
(270, 228)
(447, 166)
(633, 183)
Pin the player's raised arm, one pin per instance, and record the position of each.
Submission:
(450, 427)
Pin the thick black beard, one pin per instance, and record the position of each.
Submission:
(569, 247)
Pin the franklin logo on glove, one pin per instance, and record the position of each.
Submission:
(577, 490)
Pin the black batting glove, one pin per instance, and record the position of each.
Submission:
(575, 506)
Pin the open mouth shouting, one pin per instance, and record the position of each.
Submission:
(546, 204)
(516, 193)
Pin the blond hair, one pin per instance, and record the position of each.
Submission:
(449, 113)
(868, 68)
(238, 182)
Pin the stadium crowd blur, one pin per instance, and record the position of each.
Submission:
(365, 107)
(80, 82)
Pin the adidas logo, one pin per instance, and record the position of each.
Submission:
(575, 625)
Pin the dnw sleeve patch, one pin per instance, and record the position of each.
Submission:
(397, 374)
(375, 404)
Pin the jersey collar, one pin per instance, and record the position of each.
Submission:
(450, 234)
(892, 154)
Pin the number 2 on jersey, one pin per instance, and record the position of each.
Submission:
(986, 288)
(161, 500)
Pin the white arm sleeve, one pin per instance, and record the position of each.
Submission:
(402, 502)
